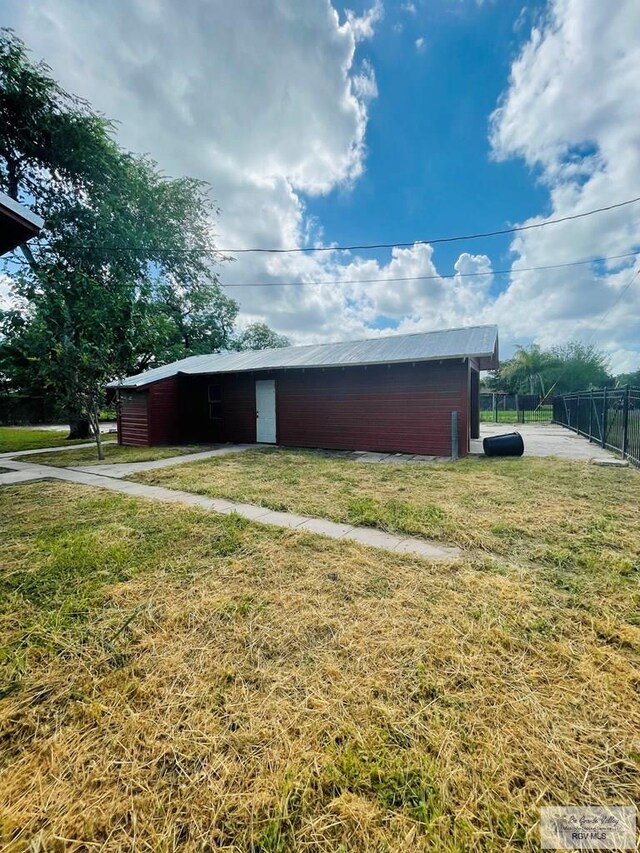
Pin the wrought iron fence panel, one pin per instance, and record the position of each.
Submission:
(608, 416)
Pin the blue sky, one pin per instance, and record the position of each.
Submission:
(429, 170)
(377, 121)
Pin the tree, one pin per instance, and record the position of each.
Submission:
(526, 372)
(632, 379)
(579, 367)
(123, 247)
(259, 336)
(572, 367)
(180, 323)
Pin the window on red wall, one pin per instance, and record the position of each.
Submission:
(215, 402)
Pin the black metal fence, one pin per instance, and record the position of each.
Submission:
(17, 409)
(609, 417)
(514, 408)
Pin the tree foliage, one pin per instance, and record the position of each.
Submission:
(260, 336)
(123, 274)
(572, 367)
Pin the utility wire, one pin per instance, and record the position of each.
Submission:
(430, 277)
(433, 241)
(444, 276)
(478, 236)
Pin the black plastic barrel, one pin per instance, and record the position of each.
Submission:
(509, 444)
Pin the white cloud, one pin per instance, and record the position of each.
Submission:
(364, 83)
(409, 8)
(6, 300)
(363, 26)
(570, 113)
(270, 104)
(420, 44)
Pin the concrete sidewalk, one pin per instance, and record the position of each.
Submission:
(25, 471)
(10, 454)
(123, 469)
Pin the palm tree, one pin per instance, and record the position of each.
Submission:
(528, 367)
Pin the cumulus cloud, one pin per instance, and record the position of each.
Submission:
(270, 104)
(363, 26)
(420, 44)
(569, 112)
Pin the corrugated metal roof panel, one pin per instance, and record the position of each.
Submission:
(475, 341)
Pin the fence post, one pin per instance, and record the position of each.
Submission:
(454, 435)
(494, 407)
(590, 414)
(625, 423)
(517, 409)
(604, 417)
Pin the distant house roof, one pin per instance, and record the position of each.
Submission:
(480, 342)
(17, 224)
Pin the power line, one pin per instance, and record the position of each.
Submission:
(433, 241)
(444, 276)
(430, 277)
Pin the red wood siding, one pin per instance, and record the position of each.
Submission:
(163, 411)
(133, 426)
(401, 408)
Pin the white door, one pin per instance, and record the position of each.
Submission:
(266, 411)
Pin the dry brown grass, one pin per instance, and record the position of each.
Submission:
(559, 514)
(226, 686)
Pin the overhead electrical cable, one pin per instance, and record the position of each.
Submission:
(398, 245)
(383, 280)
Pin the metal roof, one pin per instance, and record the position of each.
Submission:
(479, 342)
(17, 223)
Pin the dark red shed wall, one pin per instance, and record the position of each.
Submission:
(149, 416)
(401, 408)
(133, 425)
(163, 411)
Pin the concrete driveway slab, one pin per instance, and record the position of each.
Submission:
(544, 440)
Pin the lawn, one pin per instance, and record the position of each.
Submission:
(25, 438)
(511, 416)
(563, 514)
(175, 679)
(112, 453)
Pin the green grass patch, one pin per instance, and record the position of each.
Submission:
(511, 416)
(560, 514)
(25, 438)
(113, 453)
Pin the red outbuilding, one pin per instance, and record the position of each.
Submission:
(392, 394)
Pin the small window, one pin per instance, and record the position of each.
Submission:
(215, 393)
(215, 402)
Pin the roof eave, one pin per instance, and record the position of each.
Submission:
(487, 361)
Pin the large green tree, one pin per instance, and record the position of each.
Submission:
(259, 336)
(572, 367)
(579, 367)
(126, 258)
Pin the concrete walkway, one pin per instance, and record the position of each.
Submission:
(26, 471)
(546, 439)
(10, 454)
(123, 469)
